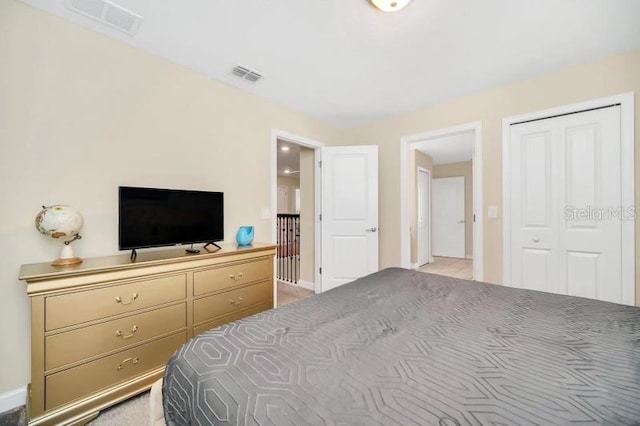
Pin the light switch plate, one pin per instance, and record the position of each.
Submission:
(266, 213)
(492, 212)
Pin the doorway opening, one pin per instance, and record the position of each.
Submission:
(441, 201)
(288, 210)
(294, 212)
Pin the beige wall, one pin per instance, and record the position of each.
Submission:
(81, 114)
(464, 170)
(611, 76)
(291, 183)
(307, 215)
(416, 159)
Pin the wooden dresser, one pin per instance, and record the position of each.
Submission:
(102, 331)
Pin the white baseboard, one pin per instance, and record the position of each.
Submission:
(13, 399)
(307, 284)
(414, 266)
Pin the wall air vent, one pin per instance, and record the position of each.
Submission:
(107, 13)
(246, 73)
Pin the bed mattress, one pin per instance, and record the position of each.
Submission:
(401, 347)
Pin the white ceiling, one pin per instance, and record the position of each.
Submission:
(346, 63)
(455, 148)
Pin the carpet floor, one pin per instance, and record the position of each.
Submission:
(15, 417)
(289, 293)
(132, 412)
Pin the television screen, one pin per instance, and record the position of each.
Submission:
(151, 217)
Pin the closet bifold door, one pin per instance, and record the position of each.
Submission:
(566, 204)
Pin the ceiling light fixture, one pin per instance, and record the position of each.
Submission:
(284, 148)
(390, 5)
(287, 171)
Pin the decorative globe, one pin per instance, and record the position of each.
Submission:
(61, 222)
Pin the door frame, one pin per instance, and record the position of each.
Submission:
(428, 215)
(627, 108)
(406, 143)
(307, 143)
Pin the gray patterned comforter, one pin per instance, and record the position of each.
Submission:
(405, 348)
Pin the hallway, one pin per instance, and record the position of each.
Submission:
(451, 267)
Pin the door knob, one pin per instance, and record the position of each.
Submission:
(374, 229)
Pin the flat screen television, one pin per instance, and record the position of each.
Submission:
(152, 217)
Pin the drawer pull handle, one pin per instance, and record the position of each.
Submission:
(133, 298)
(237, 277)
(236, 302)
(124, 361)
(128, 336)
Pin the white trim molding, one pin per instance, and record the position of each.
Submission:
(308, 143)
(13, 399)
(478, 203)
(428, 220)
(627, 111)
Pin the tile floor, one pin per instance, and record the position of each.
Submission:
(289, 293)
(451, 267)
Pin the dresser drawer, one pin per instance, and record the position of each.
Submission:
(76, 308)
(91, 377)
(76, 345)
(230, 318)
(232, 301)
(224, 277)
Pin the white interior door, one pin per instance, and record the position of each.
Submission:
(349, 214)
(534, 212)
(566, 212)
(447, 217)
(424, 180)
(283, 199)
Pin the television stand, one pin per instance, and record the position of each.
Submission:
(211, 244)
(76, 352)
(134, 254)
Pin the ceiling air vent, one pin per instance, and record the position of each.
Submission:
(92, 8)
(253, 77)
(108, 13)
(246, 74)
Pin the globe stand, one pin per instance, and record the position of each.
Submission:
(66, 255)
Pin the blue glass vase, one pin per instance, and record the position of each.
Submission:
(244, 237)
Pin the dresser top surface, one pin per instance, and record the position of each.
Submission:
(39, 271)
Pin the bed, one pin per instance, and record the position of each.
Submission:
(401, 347)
